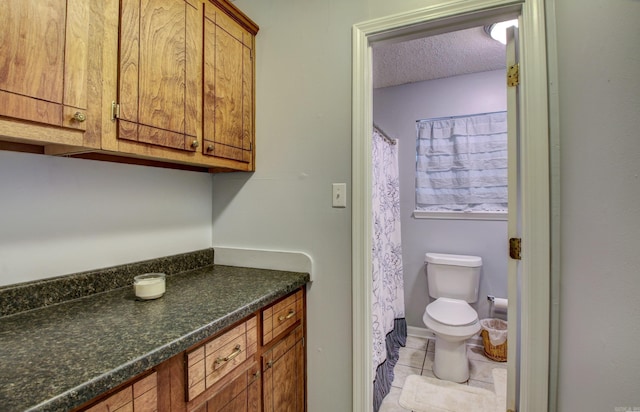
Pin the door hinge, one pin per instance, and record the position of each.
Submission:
(115, 111)
(515, 246)
(513, 75)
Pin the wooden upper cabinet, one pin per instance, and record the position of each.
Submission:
(159, 82)
(160, 72)
(44, 48)
(228, 87)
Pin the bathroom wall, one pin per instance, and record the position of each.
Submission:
(395, 110)
(61, 215)
(599, 144)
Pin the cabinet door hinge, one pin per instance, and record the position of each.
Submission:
(515, 246)
(115, 111)
(513, 75)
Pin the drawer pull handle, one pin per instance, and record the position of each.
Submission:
(291, 314)
(270, 364)
(236, 352)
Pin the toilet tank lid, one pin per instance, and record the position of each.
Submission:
(454, 260)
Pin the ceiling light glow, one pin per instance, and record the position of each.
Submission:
(498, 31)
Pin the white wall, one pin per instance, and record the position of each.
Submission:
(60, 215)
(395, 110)
(303, 132)
(599, 93)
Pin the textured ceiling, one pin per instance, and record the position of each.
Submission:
(444, 55)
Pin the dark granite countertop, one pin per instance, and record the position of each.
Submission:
(58, 357)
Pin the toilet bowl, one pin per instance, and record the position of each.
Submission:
(453, 280)
(453, 321)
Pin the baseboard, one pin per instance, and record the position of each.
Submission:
(428, 334)
(420, 332)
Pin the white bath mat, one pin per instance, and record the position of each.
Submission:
(425, 394)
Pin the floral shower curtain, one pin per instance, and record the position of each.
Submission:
(389, 325)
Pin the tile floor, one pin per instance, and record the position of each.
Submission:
(417, 359)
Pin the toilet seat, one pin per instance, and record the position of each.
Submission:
(452, 312)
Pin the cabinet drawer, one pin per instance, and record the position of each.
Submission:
(141, 396)
(242, 393)
(212, 360)
(281, 315)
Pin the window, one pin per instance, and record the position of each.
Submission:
(461, 164)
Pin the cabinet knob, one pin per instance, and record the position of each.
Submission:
(210, 148)
(79, 117)
(195, 144)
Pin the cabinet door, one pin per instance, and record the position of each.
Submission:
(242, 394)
(159, 72)
(284, 375)
(228, 87)
(44, 61)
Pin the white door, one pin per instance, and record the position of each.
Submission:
(514, 224)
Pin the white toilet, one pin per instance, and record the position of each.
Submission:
(453, 280)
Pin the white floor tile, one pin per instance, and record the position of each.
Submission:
(477, 353)
(481, 371)
(417, 343)
(428, 373)
(432, 345)
(411, 357)
(428, 361)
(418, 360)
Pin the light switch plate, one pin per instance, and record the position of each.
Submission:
(339, 195)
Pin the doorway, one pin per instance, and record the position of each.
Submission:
(533, 353)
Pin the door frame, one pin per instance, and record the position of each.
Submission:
(535, 182)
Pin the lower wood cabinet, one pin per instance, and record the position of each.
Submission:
(283, 379)
(232, 371)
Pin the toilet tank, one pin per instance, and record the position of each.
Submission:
(453, 276)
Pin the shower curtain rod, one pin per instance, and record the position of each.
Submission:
(457, 117)
(384, 135)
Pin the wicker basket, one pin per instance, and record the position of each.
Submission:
(496, 353)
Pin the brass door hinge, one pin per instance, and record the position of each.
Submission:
(515, 246)
(115, 111)
(513, 75)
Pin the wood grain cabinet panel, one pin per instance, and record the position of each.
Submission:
(159, 72)
(241, 394)
(139, 396)
(212, 361)
(185, 83)
(280, 316)
(155, 82)
(284, 374)
(228, 87)
(44, 58)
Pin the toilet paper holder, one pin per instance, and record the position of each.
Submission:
(498, 304)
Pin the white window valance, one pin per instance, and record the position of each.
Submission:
(461, 164)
